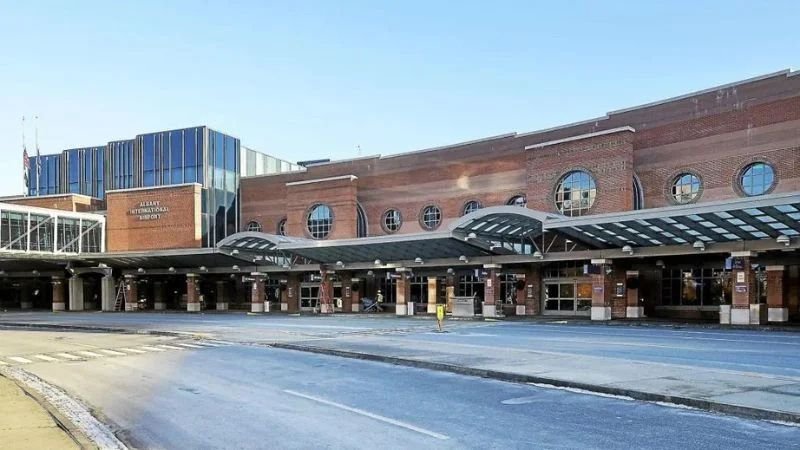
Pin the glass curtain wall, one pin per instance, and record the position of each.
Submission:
(119, 171)
(221, 196)
(48, 179)
(85, 171)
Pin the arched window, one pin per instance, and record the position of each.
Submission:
(361, 221)
(518, 200)
(757, 179)
(253, 226)
(686, 188)
(638, 194)
(319, 221)
(431, 217)
(472, 206)
(392, 220)
(575, 193)
(281, 228)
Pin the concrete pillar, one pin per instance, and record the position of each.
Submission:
(58, 294)
(356, 286)
(402, 294)
(192, 292)
(450, 290)
(159, 303)
(131, 292)
(634, 309)
(76, 300)
(601, 289)
(491, 291)
(745, 309)
(777, 305)
(433, 292)
(347, 291)
(25, 301)
(529, 298)
(222, 298)
(257, 293)
(108, 293)
(325, 293)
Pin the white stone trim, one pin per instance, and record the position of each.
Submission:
(322, 180)
(193, 307)
(601, 313)
(778, 314)
(634, 312)
(581, 137)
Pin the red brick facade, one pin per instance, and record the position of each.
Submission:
(63, 202)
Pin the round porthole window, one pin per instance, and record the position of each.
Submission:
(392, 220)
(319, 221)
(686, 188)
(575, 193)
(431, 217)
(757, 179)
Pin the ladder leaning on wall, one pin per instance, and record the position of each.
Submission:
(122, 297)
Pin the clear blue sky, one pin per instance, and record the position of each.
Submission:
(305, 80)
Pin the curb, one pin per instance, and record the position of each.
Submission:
(94, 329)
(707, 405)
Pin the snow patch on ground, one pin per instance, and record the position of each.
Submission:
(97, 432)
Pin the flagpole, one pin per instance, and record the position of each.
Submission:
(26, 162)
(38, 155)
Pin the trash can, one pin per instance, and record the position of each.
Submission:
(410, 309)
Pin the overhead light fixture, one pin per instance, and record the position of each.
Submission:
(35, 272)
(463, 259)
(339, 264)
(171, 269)
(370, 273)
(234, 252)
(378, 262)
(627, 249)
(471, 236)
(203, 269)
(538, 255)
(699, 245)
(784, 239)
(140, 270)
(287, 266)
(450, 271)
(418, 260)
(659, 263)
(235, 267)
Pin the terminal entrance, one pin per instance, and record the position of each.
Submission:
(568, 297)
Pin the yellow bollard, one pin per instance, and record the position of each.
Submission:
(440, 316)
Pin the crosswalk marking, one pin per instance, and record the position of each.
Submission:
(45, 358)
(91, 354)
(132, 350)
(3, 363)
(171, 347)
(20, 359)
(207, 344)
(113, 353)
(191, 345)
(68, 356)
(152, 349)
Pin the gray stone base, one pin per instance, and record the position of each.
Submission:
(59, 306)
(634, 312)
(193, 307)
(222, 306)
(326, 309)
(778, 314)
(131, 306)
(754, 315)
(159, 306)
(490, 310)
(401, 310)
(521, 310)
(355, 307)
(725, 314)
(257, 307)
(284, 306)
(601, 313)
(26, 305)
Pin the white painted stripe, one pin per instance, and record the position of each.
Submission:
(45, 358)
(361, 412)
(132, 350)
(208, 344)
(113, 353)
(91, 354)
(20, 359)
(68, 356)
(3, 363)
(171, 347)
(152, 349)
(191, 345)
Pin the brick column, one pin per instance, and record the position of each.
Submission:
(257, 293)
(76, 300)
(777, 305)
(491, 291)
(355, 292)
(192, 292)
(745, 309)
(402, 294)
(602, 288)
(291, 296)
(222, 295)
(451, 291)
(131, 286)
(58, 294)
(634, 309)
(347, 292)
(529, 299)
(325, 293)
(25, 296)
(433, 291)
(158, 296)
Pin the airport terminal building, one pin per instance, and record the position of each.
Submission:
(687, 207)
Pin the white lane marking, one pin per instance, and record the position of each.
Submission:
(20, 359)
(152, 349)
(361, 412)
(171, 347)
(191, 345)
(3, 363)
(133, 350)
(90, 354)
(45, 358)
(68, 356)
(113, 353)
(207, 344)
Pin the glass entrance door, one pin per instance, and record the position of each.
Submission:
(567, 297)
(309, 296)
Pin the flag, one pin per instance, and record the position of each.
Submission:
(26, 166)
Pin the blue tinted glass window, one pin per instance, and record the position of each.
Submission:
(73, 171)
(190, 152)
(230, 153)
(176, 154)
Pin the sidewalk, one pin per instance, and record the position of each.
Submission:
(740, 393)
(25, 424)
